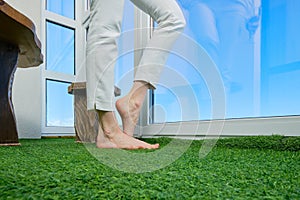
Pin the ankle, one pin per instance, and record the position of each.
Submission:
(135, 103)
(108, 122)
(128, 102)
(108, 133)
(110, 129)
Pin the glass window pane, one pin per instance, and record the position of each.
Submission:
(182, 94)
(60, 110)
(281, 60)
(60, 49)
(62, 7)
(256, 50)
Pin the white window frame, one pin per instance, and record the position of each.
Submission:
(76, 25)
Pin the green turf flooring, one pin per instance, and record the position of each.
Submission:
(236, 168)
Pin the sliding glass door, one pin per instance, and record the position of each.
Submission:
(254, 47)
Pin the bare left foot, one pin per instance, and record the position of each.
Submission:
(129, 111)
(130, 105)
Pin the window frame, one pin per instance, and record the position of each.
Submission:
(76, 25)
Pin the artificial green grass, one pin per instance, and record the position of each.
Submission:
(236, 168)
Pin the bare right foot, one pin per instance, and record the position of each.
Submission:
(103, 142)
(120, 140)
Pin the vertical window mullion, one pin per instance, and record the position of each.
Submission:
(60, 38)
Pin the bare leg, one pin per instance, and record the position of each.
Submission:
(111, 135)
(130, 105)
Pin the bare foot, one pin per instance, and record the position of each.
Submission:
(121, 140)
(129, 112)
(103, 142)
(111, 136)
(130, 105)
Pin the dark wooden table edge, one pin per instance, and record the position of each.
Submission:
(18, 17)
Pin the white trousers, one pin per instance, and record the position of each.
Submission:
(102, 52)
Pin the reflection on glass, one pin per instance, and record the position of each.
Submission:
(225, 29)
(280, 94)
(62, 7)
(220, 26)
(228, 31)
(60, 49)
(60, 111)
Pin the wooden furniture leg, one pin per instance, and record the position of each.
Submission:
(8, 61)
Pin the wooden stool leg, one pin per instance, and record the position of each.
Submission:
(8, 60)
